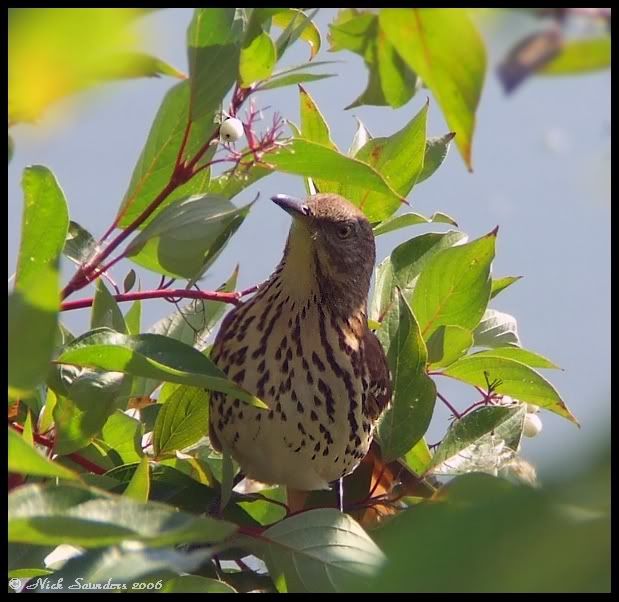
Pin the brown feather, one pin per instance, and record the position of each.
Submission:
(380, 378)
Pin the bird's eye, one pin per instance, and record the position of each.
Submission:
(344, 231)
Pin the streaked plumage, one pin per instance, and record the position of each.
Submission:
(302, 344)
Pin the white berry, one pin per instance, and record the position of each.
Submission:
(532, 425)
(231, 129)
(532, 409)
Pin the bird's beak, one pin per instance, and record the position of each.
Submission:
(295, 207)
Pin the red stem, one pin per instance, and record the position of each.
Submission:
(179, 157)
(453, 410)
(47, 442)
(183, 293)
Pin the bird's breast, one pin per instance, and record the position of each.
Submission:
(307, 364)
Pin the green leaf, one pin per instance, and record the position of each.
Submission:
(296, 24)
(25, 459)
(182, 420)
(399, 160)
(129, 281)
(213, 47)
(454, 287)
(185, 238)
(264, 511)
(315, 129)
(33, 305)
(123, 435)
(228, 469)
(445, 49)
(319, 551)
(80, 245)
(172, 485)
(105, 310)
(257, 60)
(87, 45)
(158, 157)
(46, 417)
(530, 358)
(414, 392)
(403, 266)
(447, 344)
(451, 537)
(309, 159)
(133, 317)
(27, 434)
(313, 125)
(90, 518)
(500, 423)
(151, 356)
(411, 219)
(11, 148)
(139, 485)
(500, 284)
(44, 225)
(27, 573)
(391, 82)
(435, 154)
(419, 457)
(130, 567)
(516, 379)
(194, 584)
(580, 56)
(293, 78)
(90, 399)
(496, 329)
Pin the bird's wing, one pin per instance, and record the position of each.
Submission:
(380, 378)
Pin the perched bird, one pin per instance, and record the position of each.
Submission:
(302, 345)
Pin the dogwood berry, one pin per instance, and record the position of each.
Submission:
(532, 425)
(231, 129)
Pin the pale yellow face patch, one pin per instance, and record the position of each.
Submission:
(299, 275)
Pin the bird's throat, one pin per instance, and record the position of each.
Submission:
(298, 269)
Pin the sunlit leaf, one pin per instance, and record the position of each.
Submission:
(319, 551)
(399, 159)
(213, 46)
(25, 459)
(445, 49)
(151, 356)
(33, 304)
(90, 518)
(54, 53)
(182, 420)
(414, 392)
(510, 377)
(454, 288)
(313, 160)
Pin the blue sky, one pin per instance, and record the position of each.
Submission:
(542, 173)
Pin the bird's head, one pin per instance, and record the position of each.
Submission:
(332, 239)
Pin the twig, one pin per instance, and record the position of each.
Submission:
(181, 293)
(451, 408)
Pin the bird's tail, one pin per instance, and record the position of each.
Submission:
(370, 494)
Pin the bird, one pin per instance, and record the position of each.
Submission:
(302, 345)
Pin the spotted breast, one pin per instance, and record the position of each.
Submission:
(303, 346)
